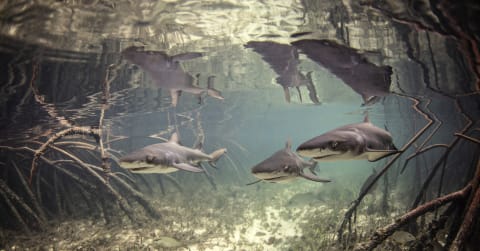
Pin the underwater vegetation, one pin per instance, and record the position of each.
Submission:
(110, 111)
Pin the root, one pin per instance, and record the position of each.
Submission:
(173, 181)
(70, 131)
(381, 234)
(34, 200)
(348, 214)
(471, 215)
(9, 195)
(474, 140)
(419, 152)
(443, 158)
(14, 210)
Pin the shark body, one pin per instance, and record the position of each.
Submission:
(168, 157)
(367, 79)
(284, 60)
(285, 165)
(349, 142)
(167, 73)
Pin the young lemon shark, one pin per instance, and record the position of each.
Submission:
(168, 157)
(367, 79)
(284, 60)
(353, 141)
(167, 73)
(285, 165)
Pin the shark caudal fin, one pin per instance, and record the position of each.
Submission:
(216, 155)
(211, 91)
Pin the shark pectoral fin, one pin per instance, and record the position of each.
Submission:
(211, 91)
(312, 168)
(187, 167)
(175, 94)
(287, 94)
(374, 155)
(254, 182)
(312, 177)
(214, 93)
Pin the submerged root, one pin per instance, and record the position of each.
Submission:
(350, 211)
(381, 234)
(10, 196)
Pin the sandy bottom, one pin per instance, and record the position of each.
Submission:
(260, 217)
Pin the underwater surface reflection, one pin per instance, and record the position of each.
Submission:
(239, 125)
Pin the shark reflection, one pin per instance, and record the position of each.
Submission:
(283, 59)
(370, 81)
(167, 73)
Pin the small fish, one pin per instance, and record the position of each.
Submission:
(168, 157)
(349, 142)
(285, 165)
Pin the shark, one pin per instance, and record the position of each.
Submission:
(349, 142)
(284, 60)
(168, 157)
(372, 82)
(167, 72)
(285, 165)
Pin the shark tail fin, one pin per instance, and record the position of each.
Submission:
(216, 155)
(211, 91)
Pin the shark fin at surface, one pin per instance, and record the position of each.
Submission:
(187, 167)
(175, 94)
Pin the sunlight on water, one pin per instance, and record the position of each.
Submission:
(238, 125)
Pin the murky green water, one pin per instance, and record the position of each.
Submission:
(74, 102)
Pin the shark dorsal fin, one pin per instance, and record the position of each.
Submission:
(174, 138)
(288, 144)
(366, 119)
(198, 145)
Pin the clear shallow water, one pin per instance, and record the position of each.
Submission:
(55, 57)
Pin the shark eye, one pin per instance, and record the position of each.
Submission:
(149, 159)
(333, 144)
